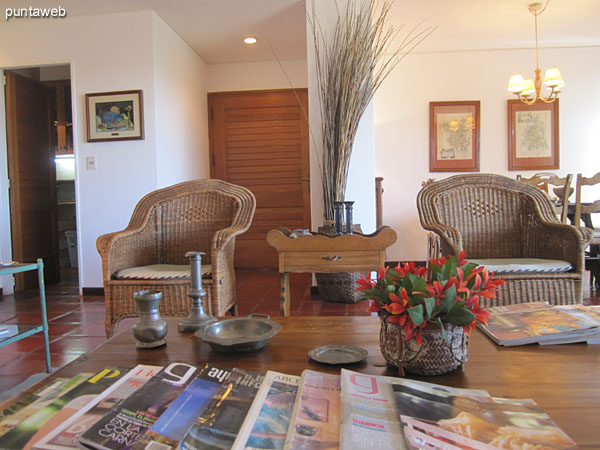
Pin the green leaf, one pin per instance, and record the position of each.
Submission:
(444, 332)
(449, 299)
(450, 266)
(459, 315)
(420, 284)
(416, 314)
(468, 268)
(429, 305)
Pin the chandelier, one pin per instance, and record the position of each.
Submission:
(529, 91)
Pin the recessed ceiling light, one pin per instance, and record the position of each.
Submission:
(250, 40)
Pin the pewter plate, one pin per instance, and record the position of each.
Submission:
(338, 354)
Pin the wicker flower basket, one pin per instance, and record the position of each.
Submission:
(435, 356)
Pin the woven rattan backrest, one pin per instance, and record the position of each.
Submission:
(185, 216)
(491, 212)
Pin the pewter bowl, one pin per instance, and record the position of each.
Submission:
(240, 334)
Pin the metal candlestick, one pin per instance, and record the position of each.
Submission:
(338, 217)
(349, 219)
(197, 318)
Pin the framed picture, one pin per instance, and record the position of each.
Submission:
(454, 136)
(532, 135)
(114, 116)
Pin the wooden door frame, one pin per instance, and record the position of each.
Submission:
(7, 282)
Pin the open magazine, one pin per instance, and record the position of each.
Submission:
(370, 417)
(441, 420)
(538, 322)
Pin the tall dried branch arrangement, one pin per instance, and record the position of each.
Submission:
(350, 66)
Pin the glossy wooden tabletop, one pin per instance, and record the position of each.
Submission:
(564, 380)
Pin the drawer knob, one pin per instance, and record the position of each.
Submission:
(331, 258)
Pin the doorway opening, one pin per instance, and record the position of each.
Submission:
(41, 172)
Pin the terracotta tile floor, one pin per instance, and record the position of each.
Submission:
(76, 323)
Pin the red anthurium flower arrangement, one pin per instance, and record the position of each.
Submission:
(454, 295)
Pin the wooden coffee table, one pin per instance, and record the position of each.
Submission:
(562, 379)
(327, 254)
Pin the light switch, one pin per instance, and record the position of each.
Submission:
(90, 163)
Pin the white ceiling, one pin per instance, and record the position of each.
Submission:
(215, 28)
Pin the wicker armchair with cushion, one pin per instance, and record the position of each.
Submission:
(200, 215)
(510, 227)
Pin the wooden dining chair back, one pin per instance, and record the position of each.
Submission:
(561, 188)
(585, 208)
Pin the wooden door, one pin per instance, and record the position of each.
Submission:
(259, 140)
(32, 177)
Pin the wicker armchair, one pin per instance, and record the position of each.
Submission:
(496, 217)
(200, 215)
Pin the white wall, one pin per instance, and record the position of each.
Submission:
(180, 81)
(402, 122)
(100, 62)
(257, 76)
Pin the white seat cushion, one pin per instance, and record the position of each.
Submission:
(523, 265)
(160, 272)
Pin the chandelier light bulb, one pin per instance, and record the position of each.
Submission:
(529, 91)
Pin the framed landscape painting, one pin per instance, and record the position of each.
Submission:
(532, 135)
(454, 136)
(114, 116)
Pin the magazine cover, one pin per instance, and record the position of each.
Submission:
(66, 435)
(173, 424)
(369, 416)
(442, 418)
(268, 419)
(14, 412)
(585, 313)
(129, 420)
(315, 420)
(528, 323)
(220, 422)
(32, 429)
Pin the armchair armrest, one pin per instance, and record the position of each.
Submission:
(131, 247)
(555, 240)
(450, 235)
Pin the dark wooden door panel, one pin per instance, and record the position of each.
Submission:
(259, 140)
(32, 175)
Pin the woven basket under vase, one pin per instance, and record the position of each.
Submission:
(435, 356)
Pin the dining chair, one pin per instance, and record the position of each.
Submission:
(562, 190)
(583, 213)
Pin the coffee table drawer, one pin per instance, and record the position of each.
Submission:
(353, 261)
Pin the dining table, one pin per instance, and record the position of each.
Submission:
(562, 379)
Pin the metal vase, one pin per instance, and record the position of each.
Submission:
(349, 219)
(339, 220)
(150, 329)
(198, 318)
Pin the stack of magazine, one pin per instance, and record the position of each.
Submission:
(544, 324)
(210, 407)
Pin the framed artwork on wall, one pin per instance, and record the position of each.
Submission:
(532, 135)
(454, 136)
(114, 116)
